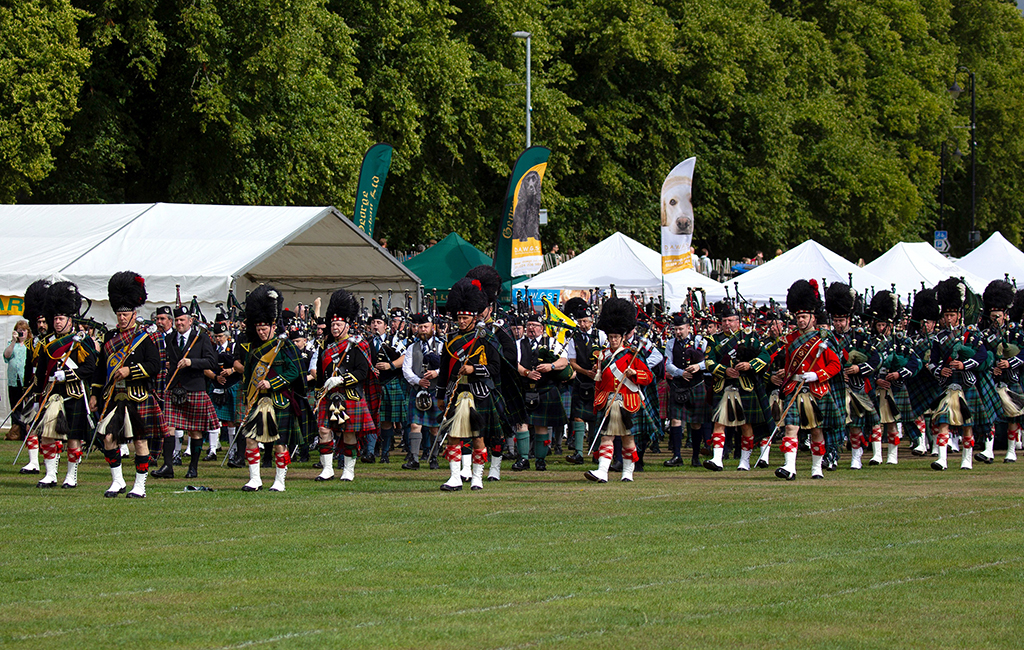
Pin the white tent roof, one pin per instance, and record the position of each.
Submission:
(907, 265)
(304, 251)
(993, 259)
(626, 263)
(809, 260)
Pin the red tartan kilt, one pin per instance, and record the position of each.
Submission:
(359, 418)
(196, 414)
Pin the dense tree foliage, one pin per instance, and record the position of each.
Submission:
(809, 118)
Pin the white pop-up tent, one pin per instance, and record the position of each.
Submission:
(907, 265)
(626, 263)
(306, 252)
(994, 259)
(771, 280)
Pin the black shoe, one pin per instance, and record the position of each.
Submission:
(68, 486)
(210, 456)
(234, 463)
(814, 476)
(318, 465)
(40, 484)
(937, 467)
(782, 472)
(28, 471)
(675, 461)
(520, 465)
(831, 467)
(590, 476)
(191, 473)
(761, 463)
(695, 462)
(167, 471)
(1009, 460)
(246, 488)
(982, 458)
(616, 466)
(110, 494)
(133, 495)
(541, 465)
(384, 458)
(575, 459)
(411, 464)
(369, 458)
(713, 466)
(434, 464)
(450, 488)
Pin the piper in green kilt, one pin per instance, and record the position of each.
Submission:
(1002, 384)
(897, 364)
(922, 387)
(271, 365)
(684, 370)
(840, 300)
(582, 349)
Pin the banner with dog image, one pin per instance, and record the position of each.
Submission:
(374, 172)
(517, 251)
(677, 218)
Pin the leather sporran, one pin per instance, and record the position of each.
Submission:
(177, 396)
(423, 401)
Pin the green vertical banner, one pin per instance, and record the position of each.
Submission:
(376, 164)
(519, 228)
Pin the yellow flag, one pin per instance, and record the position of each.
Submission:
(553, 314)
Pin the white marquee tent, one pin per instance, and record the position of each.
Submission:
(995, 258)
(809, 260)
(305, 251)
(629, 265)
(907, 265)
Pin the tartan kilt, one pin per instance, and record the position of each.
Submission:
(979, 414)
(359, 421)
(644, 424)
(565, 392)
(663, 397)
(196, 414)
(1015, 387)
(487, 408)
(394, 403)
(239, 402)
(549, 412)
(154, 423)
(902, 399)
(287, 427)
(431, 418)
(755, 405)
(582, 405)
(226, 411)
(831, 418)
(75, 413)
(696, 411)
(922, 389)
(990, 398)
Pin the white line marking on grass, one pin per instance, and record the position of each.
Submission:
(46, 634)
(479, 610)
(974, 512)
(273, 639)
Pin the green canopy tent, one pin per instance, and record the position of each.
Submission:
(447, 262)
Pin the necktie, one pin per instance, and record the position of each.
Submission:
(181, 341)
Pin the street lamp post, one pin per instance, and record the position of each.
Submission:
(526, 36)
(974, 238)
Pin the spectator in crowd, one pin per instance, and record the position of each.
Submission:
(552, 259)
(384, 243)
(16, 355)
(703, 263)
(758, 259)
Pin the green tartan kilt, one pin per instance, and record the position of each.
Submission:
(831, 417)
(1014, 386)
(288, 431)
(549, 412)
(696, 410)
(582, 406)
(226, 408)
(488, 410)
(644, 423)
(394, 401)
(902, 399)
(755, 405)
(837, 389)
(980, 415)
(922, 389)
(993, 405)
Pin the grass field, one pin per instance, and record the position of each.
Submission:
(888, 557)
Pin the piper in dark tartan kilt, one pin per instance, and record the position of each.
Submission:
(166, 446)
(187, 405)
(420, 370)
(810, 364)
(684, 371)
(470, 372)
(546, 367)
(342, 371)
(128, 363)
(222, 383)
(388, 355)
(958, 354)
(271, 368)
(897, 364)
(1002, 384)
(736, 361)
(64, 363)
(922, 387)
(581, 350)
(840, 299)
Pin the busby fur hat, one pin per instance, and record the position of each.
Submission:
(419, 318)
(803, 298)
(724, 309)
(126, 291)
(342, 306)
(490, 280)
(951, 294)
(618, 316)
(466, 297)
(262, 306)
(577, 308)
(35, 299)
(884, 306)
(998, 296)
(680, 319)
(62, 298)
(1017, 308)
(926, 306)
(840, 299)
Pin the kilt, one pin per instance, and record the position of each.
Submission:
(663, 398)
(993, 405)
(239, 403)
(979, 414)
(75, 413)
(394, 403)
(582, 406)
(196, 414)
(153, 421)
(695, 411)
(360, 420)
(755, 405)
(430, 418)
(488, 410)
(549, 412)
(645, 425)
(831, 417)
(226, 410)
(902, 399)
(287, 428)
(922, 389)
(565, 392)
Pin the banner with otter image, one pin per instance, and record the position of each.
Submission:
(677, 218)
(517, 250)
